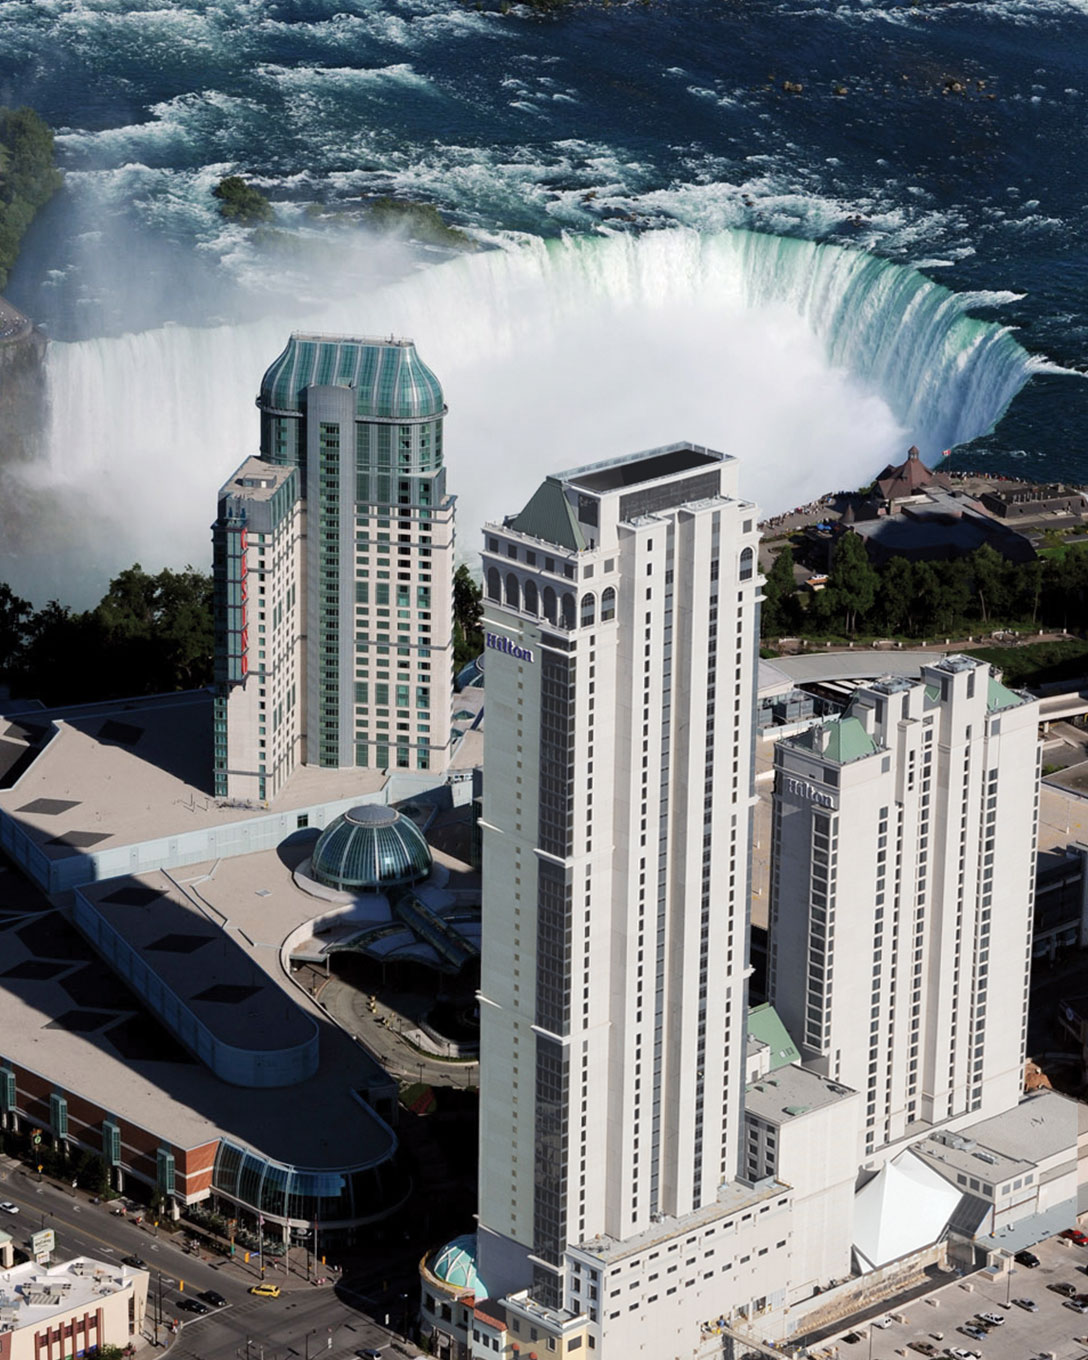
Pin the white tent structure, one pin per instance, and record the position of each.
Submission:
(905, 1207)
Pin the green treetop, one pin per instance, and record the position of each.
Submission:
(240, 202)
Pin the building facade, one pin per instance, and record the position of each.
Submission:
(334, 572)
(74, 1308)
(260, 676)
(903, 866)
(620, 615)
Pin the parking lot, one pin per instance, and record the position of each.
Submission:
(936, 1318)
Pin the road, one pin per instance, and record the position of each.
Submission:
(329, 1321)
(348, 1006)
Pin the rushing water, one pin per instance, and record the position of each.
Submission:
(672, 244)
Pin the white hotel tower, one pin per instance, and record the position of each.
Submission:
(621, 619)
(903, 858)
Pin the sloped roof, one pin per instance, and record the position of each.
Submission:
(765, 1024)
(839, 741)
(904, 1207)
(909, 477)
(998, 696)
(549, 517)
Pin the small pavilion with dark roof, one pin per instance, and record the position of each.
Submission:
(896, 484)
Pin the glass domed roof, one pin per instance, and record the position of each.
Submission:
(456, 1265)
(370, 847)
(390, 380)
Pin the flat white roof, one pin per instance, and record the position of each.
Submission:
(64, 1014)
(122, 773)
(31, 1294)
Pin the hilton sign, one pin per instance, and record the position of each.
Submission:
(503, 644)
(803, 789)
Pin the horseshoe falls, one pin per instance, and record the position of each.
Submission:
(815, 364)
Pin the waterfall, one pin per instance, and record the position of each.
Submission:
(814, 364)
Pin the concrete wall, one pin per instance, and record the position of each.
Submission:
(222, 841)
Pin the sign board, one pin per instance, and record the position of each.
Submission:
(43, 1244)
(801, 788)
(504, 644)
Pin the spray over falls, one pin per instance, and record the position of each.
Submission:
(813, 363)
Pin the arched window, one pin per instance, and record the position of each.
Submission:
(608, 604)
(549, 604)
(531, 601)
(747, 559)
(568, 610)
(513, 594)
(589, 611)
(494, 584)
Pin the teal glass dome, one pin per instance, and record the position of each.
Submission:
(455, 1265)
(390, 380)
(369, 849)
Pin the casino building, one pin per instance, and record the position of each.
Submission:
(334, 572)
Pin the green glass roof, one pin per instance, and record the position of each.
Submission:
(847, 739)
(549, 517)
(456, 1265)
(999, 697)
(370, 848)
(390, 380)
(765, 1025)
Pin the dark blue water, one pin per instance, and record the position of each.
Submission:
(629, 117)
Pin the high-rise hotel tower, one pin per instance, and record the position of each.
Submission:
(621, 616)
(903, 857)
(334, 572)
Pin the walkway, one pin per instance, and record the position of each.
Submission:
(14, 325)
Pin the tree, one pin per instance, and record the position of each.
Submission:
(852, 582)
(28, 178)
(92, 1174)
(468, 640)
(990, 573)
(895, 595)
(15, 614)
(147, 635)
(240, 202)
(781, 608)
(1028, 587)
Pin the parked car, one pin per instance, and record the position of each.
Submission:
(991, 1319)
(216, 1300)
(1075, 1235)
(882, 1322)
(265, 1290)
(1028, 1305)
(193, 1306)
(1068, 1290)
(1076, 1305)
(1026, 1258)
(852, 1338)
(923, 1347)
(975, 1333)
(960, 1354)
